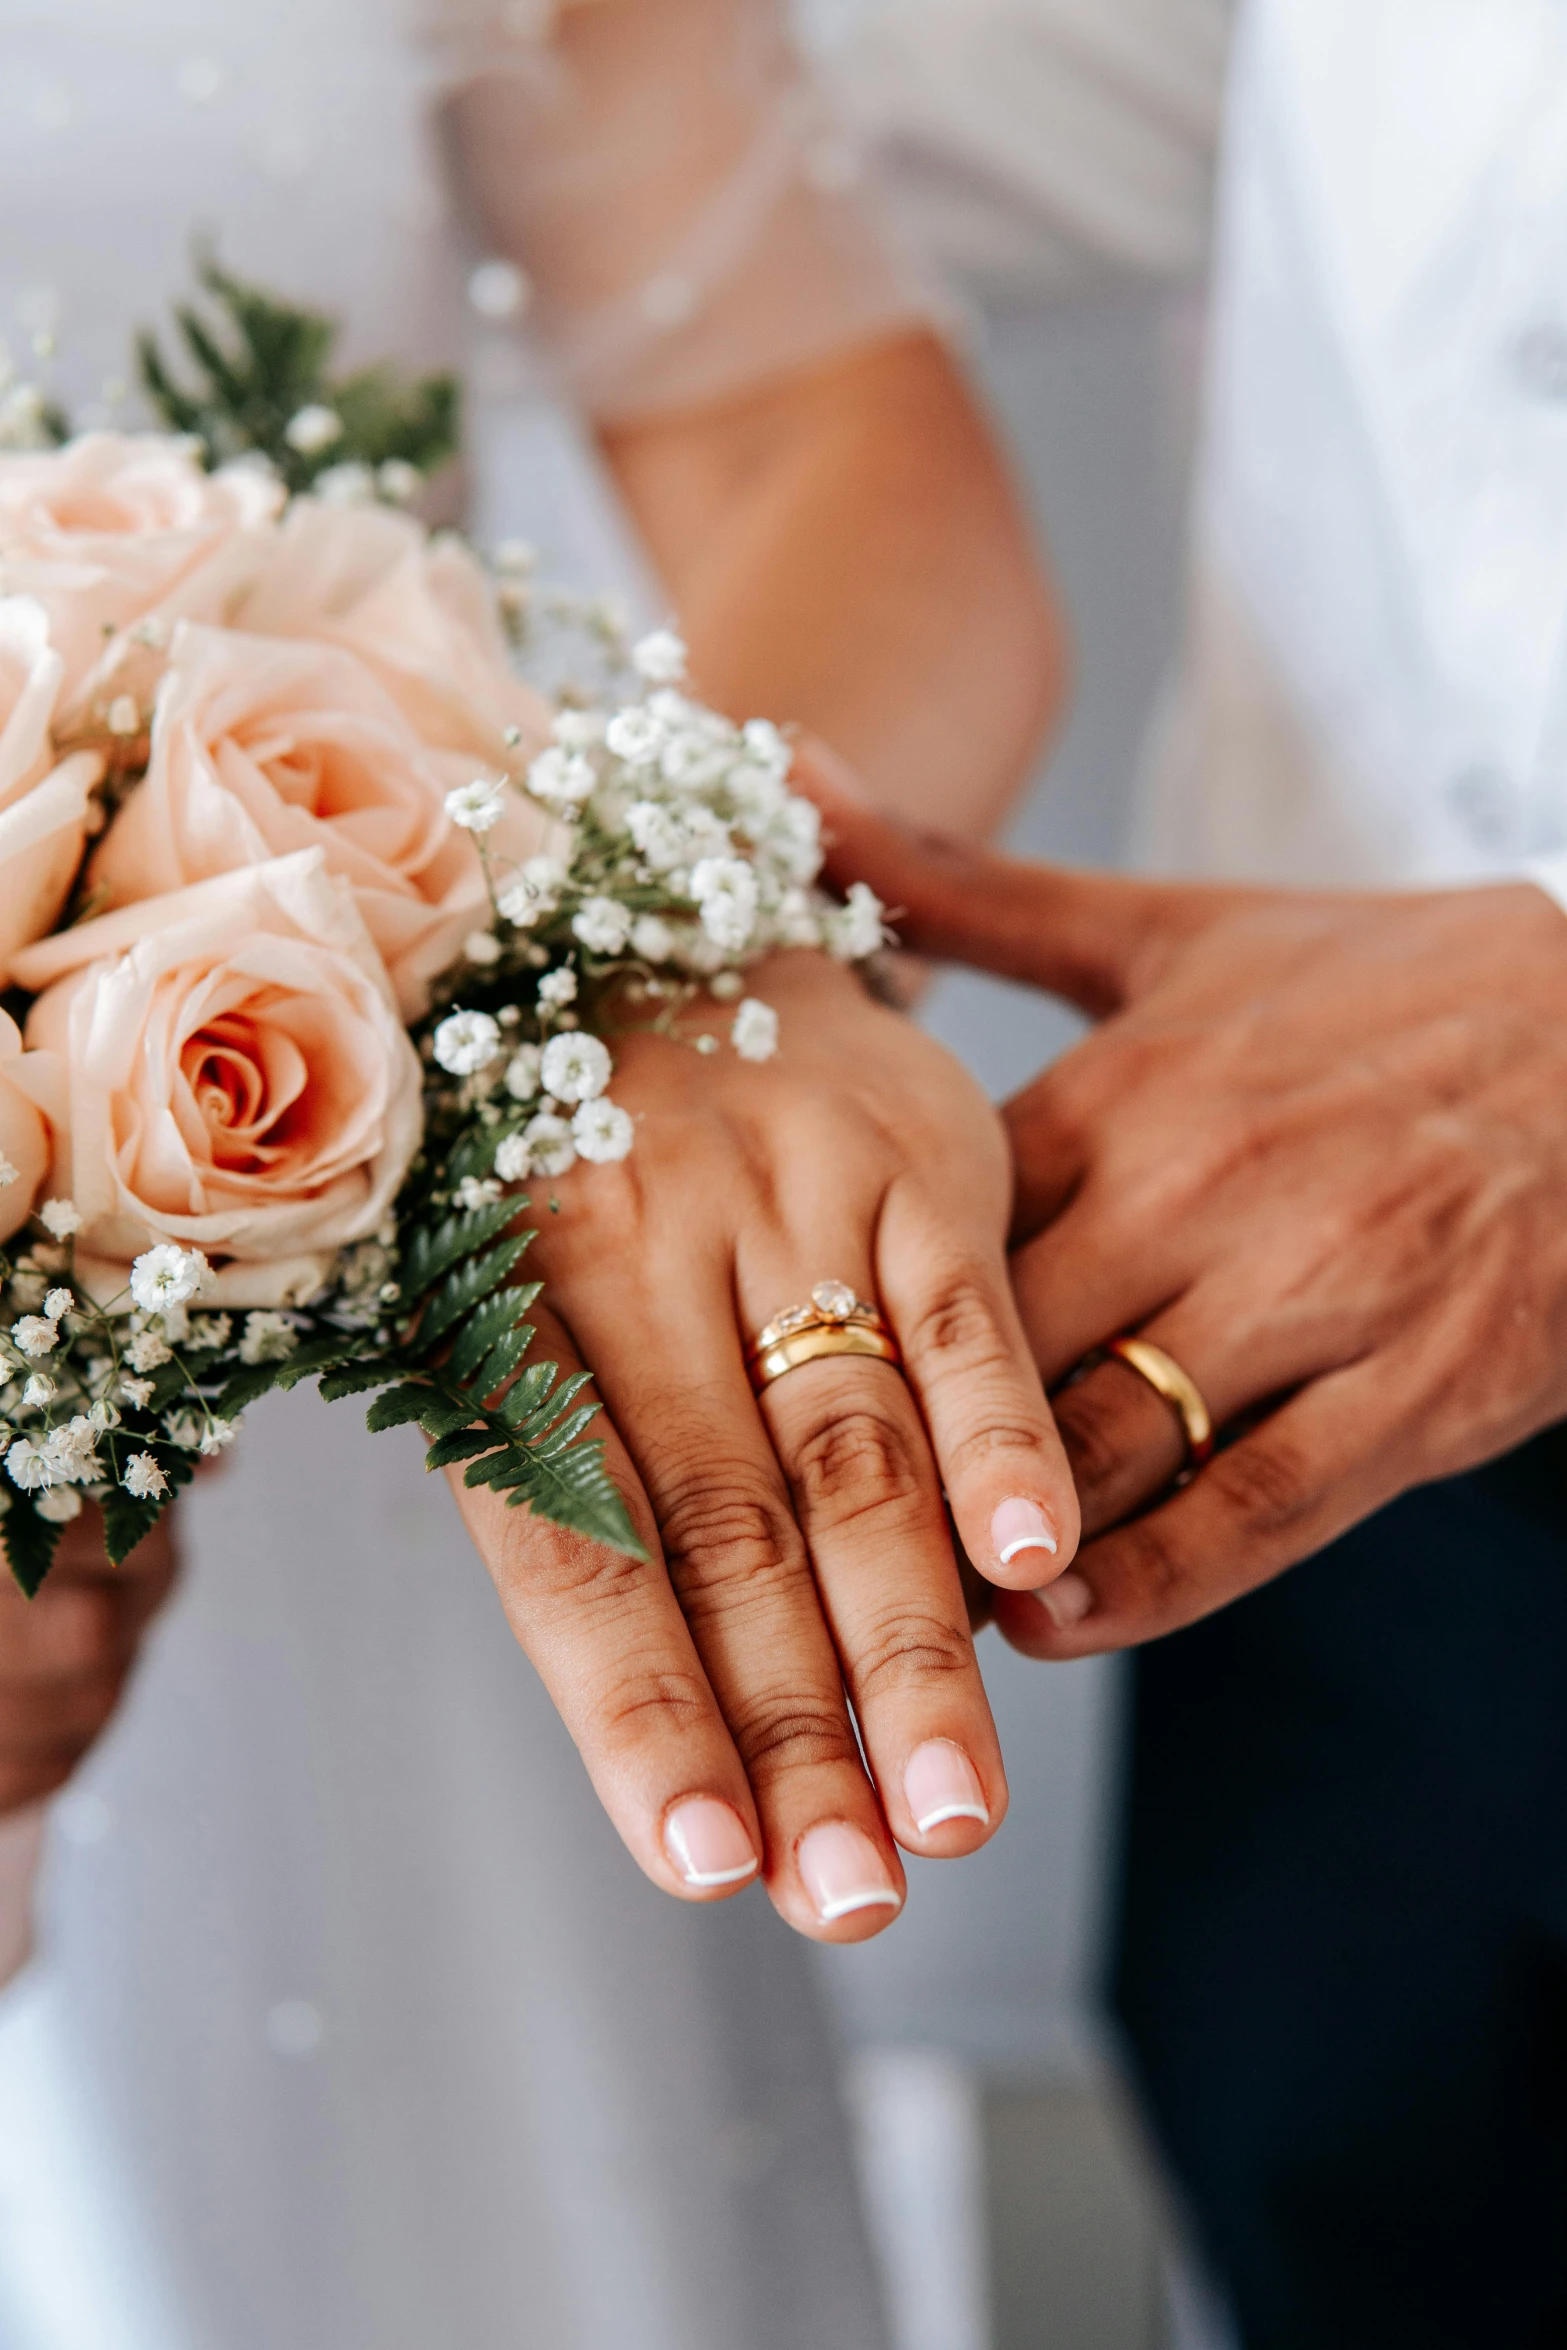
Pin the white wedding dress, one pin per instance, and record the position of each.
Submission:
(351, 2023)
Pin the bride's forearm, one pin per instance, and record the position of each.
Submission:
(845, 550)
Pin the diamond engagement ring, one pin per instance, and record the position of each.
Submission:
(835, 1322)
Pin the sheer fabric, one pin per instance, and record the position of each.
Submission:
(692, 213)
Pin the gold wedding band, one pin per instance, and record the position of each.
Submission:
(835, 1322)
(1165, 1376)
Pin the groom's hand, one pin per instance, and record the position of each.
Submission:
(1316, 1150)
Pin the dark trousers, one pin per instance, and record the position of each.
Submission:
(1342, 1961)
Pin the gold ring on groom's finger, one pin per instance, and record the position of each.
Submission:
(835, 1322)
(1166, 1377)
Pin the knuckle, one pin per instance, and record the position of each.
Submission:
(957, 1326)
(723, 1523)
(857, 1458)
(1270, 1481)
(780, 1731)
(647, 1702)
(906, 1652)
(1092, 1429)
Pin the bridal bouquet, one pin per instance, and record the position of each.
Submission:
(317, 926)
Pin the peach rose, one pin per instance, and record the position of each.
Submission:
(260, 748)
(116, 528)
(24, 1137)
(234, 1077)
(419, 611)
(43, 807)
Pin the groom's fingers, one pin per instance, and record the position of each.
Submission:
(1094, 938)
(607, 1638)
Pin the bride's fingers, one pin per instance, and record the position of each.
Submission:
(969, 1363)
(607, 1638)
(674, 1379)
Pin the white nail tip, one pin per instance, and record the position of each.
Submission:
(847, 1903)
(953, 1811)
(1010, 1550)
(705, 1877)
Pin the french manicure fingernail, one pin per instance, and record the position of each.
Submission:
(709, 1843)
(1021, 1525)
(843, 1871)
(1067, 1600)
(942, 1784)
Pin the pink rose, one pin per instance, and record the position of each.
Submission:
(43, 807)
(24, 1137)
(116, 528)
(260, 748)
(233, 1076)
(419, 611)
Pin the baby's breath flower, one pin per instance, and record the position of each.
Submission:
(535, 892)
(652, 938)
(466, 1042)
(59, 1504)
(558, 988)
(165, 1276)
(314, 428)
(635, 735)
(39, 1390)
(397, 480)
(561, 777)
(216, 1437)
(147, 1351)
(477, 1191)
(71, 1453)
(58, 1303)
(754, 1033)
(8, 1173)
(725, 889)
(854, 930)
(210, 1331)
(61, 1217)
(602, 1131)
(513, 1159)
(522, 1073)
(551, 1150)
(33, 1336)
(267, 1338)
(575, 1068)
(28, 1465)
(661, 839)
(725, 986)
(477, 806)
(345, 485)
(579, 730)
(795, 922)
(603, 925)
(660, 657)
(767, 746)
(183, 1428)
(143, 1480)
(482, 947)
(103, 1415)
(138, 1393)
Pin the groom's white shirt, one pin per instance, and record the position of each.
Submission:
(1375, 681)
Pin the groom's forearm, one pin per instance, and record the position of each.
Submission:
(845, 550)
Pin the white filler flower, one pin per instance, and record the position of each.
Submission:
(61, 1217)
(522, 1073)
(466, 1042)
(564, 778)
(28, 1465)
(660, 657)
(477, 806)
(143, 1480)
(603, 925)
(33, 1336)
(268, 1338)
(167, 1276)
(558, 988)
(754, 1034)
(725, 889)
(602, 1131)
(312, 429)
(59, 1504)
(513, 1159)
(551, 1150)
(575, 1068)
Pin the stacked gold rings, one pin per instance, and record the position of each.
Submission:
(835, 1322)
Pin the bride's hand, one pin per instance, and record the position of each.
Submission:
(800, 1560)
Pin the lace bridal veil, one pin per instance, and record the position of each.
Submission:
(351, 2021)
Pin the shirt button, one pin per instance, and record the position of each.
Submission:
(1540, 362)
(1484, 802)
